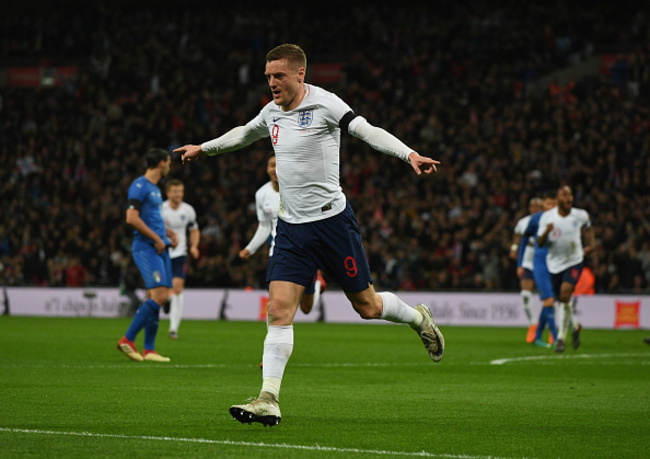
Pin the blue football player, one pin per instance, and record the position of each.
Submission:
(542, 276)
(149, 249)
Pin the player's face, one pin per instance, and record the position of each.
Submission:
(270, 169)
(165, 167)
(175, 193)
(565, 199)
(285, 81)
(534, 207)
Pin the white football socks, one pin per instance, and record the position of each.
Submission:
(566, 320)
(574, 319)
(526, 301)
(176, 311)
(395, 310)
(278, 346)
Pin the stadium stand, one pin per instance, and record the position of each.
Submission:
(86, 89)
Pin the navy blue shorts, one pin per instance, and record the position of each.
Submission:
(309, 290)
(156, 268)
(179, 266)
(570, 275)
(333, 244)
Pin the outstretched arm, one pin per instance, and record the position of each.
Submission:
(387, 143)
(264, 229)
(236, 138)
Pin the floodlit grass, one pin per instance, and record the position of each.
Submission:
(362, 390)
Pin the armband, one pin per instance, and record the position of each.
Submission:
(135, 204)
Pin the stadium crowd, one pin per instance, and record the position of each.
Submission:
(450, 81)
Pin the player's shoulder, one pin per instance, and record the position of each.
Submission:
(521, 224)
(548, 214)
(267, 188)
(320, 96)
(580, 213)
(536, 216)
(524, 220)
(269, 107)
(139, 185)
(317, 91)
(139, 181)
(187, 207)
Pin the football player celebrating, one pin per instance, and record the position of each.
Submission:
(562, 229)
(316, 226)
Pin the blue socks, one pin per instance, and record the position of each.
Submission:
(147, 318)
(546, 317)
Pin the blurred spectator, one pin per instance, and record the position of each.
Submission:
(450, 80)
(75, 273)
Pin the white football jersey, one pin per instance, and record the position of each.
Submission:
(179, 221)
(565, 241)
(267, 203)
(306, 141)
(529, 251)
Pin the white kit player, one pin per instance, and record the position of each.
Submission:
(181, 218)
(317, 227)
(267, 204)
(525, 265)
(561, 228)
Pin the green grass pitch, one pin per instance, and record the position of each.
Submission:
(364, 390)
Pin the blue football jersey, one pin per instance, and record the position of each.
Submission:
(147, 197)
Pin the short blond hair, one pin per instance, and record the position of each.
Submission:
(293, 53)
(173, 182)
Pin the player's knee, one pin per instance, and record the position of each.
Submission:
(368, 315)
(368, 304)
(368, 311)
(279, 313)
(565, 294)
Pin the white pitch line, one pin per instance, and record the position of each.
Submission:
(140, 366)
(246, 443)
(548, 357)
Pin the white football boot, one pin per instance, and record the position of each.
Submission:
(430, 335)
(265, 410)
